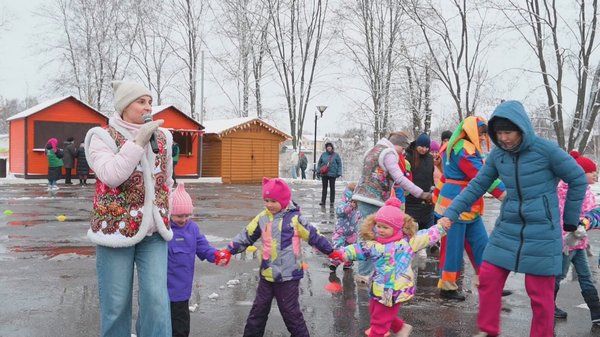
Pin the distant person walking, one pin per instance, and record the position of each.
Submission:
(55, 163)
(70, 153)
(83, 169)
(302, 164)
(175, 151)
(330, 168)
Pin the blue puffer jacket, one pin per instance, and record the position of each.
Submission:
(527, 234)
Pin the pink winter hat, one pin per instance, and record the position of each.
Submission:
(181, 202)
(435, 146)
(278, 190)
(391, 214)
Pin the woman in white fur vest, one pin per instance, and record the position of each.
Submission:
(130, 216)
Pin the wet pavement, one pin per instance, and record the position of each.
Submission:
(47, 273)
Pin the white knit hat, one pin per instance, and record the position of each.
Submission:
(127, 92)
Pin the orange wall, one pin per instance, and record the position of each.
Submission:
(187, 165)
(16, 141)
(69, 110)
(250, 154)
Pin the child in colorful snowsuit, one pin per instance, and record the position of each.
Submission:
(281, 228)
(575, 243)
(391, 242)
(188, 242)
(346, 228)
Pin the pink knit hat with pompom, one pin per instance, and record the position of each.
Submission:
(181, 202)
(391, 214)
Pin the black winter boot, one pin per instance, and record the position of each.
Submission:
(593, 302)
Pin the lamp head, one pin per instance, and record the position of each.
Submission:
(321, 109)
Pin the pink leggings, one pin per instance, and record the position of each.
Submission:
(541, 294)
(384, 318)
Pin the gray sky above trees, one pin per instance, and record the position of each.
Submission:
(23, 72)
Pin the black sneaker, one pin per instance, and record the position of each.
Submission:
(559, 313)
(321, 204)
(506, 292)
(454, 295)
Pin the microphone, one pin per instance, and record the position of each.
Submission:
(153, 144)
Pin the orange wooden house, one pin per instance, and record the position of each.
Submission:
(30, 130)
(188, 134)
(241, 150)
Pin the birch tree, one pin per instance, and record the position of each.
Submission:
(245, 26)
(371, 34)
(186, 16)
(153, 53)
(297, 32)
(549, 30)
(457, 36)
(93, 46)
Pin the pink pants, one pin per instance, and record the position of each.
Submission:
(384, 318)
(541, 294)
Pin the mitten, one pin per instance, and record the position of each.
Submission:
(569, 228)
(222, 257)
(580, 233)
(570, 241)
(336, 255)
(146, 131)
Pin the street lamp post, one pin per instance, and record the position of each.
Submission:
(321, 109)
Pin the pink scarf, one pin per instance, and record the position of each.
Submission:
(397, 236)
(117, 120)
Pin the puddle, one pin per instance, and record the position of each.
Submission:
(54, 251)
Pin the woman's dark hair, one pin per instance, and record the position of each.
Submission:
(48, 146)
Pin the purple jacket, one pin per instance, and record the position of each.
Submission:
(187, 242)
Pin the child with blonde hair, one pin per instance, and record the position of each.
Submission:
(391, 241)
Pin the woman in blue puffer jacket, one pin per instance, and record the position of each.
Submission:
(527, 234)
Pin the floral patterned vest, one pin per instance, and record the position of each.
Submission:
(119, 210)
(375, 184)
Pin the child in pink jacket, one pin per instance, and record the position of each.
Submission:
(575, 244)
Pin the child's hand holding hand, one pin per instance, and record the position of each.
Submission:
(445, 223)
(337, 255)
(222, 257)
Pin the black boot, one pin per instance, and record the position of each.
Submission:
(452, 295)
(593, 302)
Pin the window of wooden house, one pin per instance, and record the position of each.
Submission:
(44, 130)
(185, 139)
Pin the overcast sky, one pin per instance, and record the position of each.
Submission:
(22, 73)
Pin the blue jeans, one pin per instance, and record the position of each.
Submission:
(365, 268)
(582, 267)
(114, 268)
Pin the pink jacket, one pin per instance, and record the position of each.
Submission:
(589, 203)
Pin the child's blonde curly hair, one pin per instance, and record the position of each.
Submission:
(368, 234)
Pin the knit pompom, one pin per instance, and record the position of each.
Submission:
(393, 202)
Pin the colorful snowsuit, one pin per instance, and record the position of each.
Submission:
(346, 228)
(462, 159)
(281, 266)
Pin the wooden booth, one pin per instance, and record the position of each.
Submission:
(188, 134)
(30, 130)
(241, 150)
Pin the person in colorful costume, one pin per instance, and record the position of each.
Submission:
(575, 243)
(380, 172)
(391, 242)
(130, 216)
(462, 158)
(281, 227)
(527, 236)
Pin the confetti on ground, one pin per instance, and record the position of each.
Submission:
(61, 218)
(8, 212)
(333, 287)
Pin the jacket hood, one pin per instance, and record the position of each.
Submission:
(329, 144)
(515, 112)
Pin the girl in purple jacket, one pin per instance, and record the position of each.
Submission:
(188, 242)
